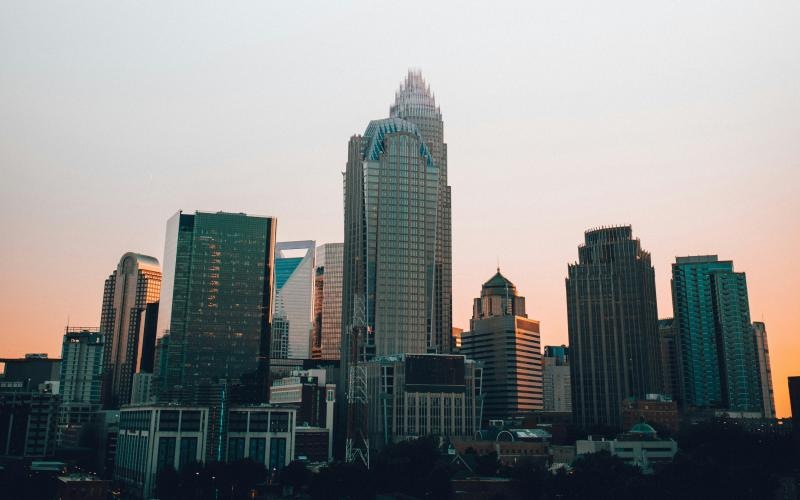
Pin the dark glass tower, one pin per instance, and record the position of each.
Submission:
(613, 326)
(216, 304)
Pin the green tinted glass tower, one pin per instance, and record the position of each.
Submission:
(717, 345)
(217, 293)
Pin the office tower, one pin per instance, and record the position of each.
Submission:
(719, 363)
(794, 404)
(457, 333)
(81, 376)
(556, 385)
(613, 326)
(294, 285)
(507, 343)
(30, 372)
(216, 306)
(764, 369)
(128, 320)
(327, 334)
(670, 368)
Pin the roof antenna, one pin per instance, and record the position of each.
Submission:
(498, 263)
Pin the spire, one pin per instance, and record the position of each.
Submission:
(414, 98)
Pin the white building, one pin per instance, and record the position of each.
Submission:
(294, 288)
(264, 434)
(640, 447)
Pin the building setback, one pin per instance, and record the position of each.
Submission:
(718, 358)
(613, 326)
(556, 386)
(327, 333)
(128, 321)
(507, 343)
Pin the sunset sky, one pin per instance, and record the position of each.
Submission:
(679, 118)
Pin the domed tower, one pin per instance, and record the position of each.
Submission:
(508, 344)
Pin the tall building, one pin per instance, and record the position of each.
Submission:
(670, 368)
(507, 343)
(327, 335)
(82, 365)
(719, 363)
(794, 405)
(613, 326)
(397, 271)
(128, 320)
(216, 306)
(294, 288)
(556, 385)
(764, 368)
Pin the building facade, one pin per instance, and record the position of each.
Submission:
(415, 395)
(718, 358)
(264, 434)
(613, 326)
(152, 438)
(507, 343)
(670, 367)
(81, 381)
(28, 423)
(216, 307)
(294, 294)
(327, 336)
(128, 321)
(556, 384)
(764, 369)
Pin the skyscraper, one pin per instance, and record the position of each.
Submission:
(670, 368)
(507, 343)
(719, 363)
(294, 289)
(216, 302)
(613, 326)
(128, 320)
(328, 302)
(556, 384)
(396, 282)
(764, 368)
(81, 366)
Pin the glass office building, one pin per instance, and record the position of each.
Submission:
(216, 303)
(719, 362)
(327, 334)
(294, 285)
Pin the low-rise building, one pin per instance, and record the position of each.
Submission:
(28, 423)
(656, 409)
(82, 487)
(264, 434)
(640, 446)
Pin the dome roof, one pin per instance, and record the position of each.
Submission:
(643, 428)
(499, 284)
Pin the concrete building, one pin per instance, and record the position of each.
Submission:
(152, 438)
(294, 294)
(29, 372)
(764, 369)
(216, 307)
(414, 395)
(310, 392)
(670, 366)
(128, 320)
(556, 385)
(82, 487)
(613, 326)
(28, 423)
(654, 408)
(81, 381)
(719, 362)
(640, 447)
(264, 434)
(507, 344)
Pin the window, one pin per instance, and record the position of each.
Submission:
(188, 451)
(258, 449)
(279, 422)
(235, 449)
(166, 452)
(190, 421)
(277, 453)
(168, 420)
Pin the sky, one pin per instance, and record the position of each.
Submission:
(679, 118)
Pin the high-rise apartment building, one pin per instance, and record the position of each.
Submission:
(670, 368)
(613, 326)
(719, 363)
(556, 385)
(81, 378)
(764, 369)
(327, 329)
(128, 320)
(216, 306)
(508, 344)
(294, 294)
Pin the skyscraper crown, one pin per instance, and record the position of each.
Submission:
(414, 98)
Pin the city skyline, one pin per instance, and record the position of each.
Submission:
(524, 128)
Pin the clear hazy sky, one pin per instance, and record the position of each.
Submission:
(680, 118)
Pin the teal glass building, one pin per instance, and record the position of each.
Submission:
(717, 346)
